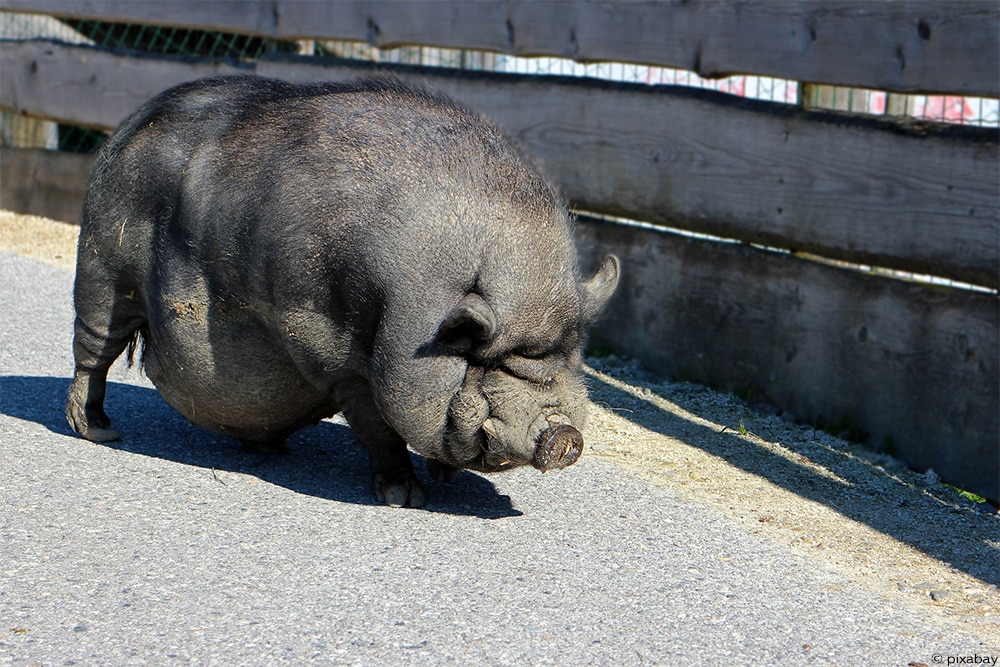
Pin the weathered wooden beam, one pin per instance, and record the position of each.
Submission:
(42, 182)
(915, 46)
(909, 368)
(913, 197)
(916, 198)
(90, 87)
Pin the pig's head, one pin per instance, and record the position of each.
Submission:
(477, 358)
(522, 400)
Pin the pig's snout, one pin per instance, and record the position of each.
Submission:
(556, 447)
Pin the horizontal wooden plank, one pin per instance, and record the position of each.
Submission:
(913, 367)
(912, 199)
(43, 182)
(943, 46)
(918, 198)
(254, 17)
(91, 87)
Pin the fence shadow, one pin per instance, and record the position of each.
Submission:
(324, 460)
(946, 539)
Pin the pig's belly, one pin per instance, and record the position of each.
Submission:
(234, 377)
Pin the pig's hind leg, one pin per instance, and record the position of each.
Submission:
(108, 321)
(393, 479)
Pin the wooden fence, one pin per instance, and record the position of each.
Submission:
(913, 366)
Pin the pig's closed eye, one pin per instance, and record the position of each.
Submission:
(540, 369)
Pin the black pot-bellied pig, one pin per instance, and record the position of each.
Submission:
(285, 252)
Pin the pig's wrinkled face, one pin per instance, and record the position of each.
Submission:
(518, 411)
(522, 401)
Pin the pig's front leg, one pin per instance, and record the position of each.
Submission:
(393, 479)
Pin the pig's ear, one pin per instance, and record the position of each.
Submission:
(469, 324)
(600, 287)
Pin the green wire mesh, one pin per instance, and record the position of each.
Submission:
(175, 41)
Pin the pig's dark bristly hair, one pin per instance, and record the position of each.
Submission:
(263, 92)
(272, 90)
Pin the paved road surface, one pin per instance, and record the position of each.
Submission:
(177, 547)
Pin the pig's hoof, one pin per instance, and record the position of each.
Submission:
(95, 427)
(98, 434)
(402, 490)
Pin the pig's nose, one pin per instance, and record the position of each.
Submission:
(557, 447)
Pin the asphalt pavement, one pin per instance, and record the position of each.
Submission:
(176, 546)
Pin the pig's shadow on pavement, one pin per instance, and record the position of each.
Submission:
(323, 460)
